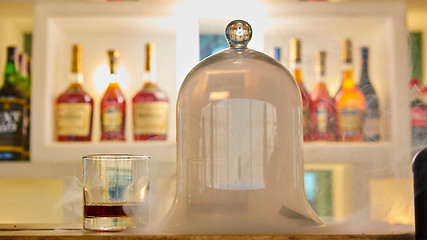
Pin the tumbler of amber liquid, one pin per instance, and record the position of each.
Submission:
(115, 191)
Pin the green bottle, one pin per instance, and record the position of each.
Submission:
(12, 107)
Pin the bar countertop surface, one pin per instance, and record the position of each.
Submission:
(71, 232)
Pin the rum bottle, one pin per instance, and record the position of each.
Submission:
(113, 104)
(350, 101)
(322, 104)
(371, 121)
(12, 107)
(150, 104)
(295, 68)
(74, 107)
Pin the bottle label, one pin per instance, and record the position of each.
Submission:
(371, 125)
(73, 119)
(419, 116)
(322, 119)
(112, 119)
(305, 119)
(150, 117)
(11, 124)
(350, 120)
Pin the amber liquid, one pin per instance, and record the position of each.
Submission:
(113, 99)
(350, 96)
(149, 93)
(76, 94)
(104, 210)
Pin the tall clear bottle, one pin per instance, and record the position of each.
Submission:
(74, 107)
(371, 122)
(113, 104)
(12, 107)
(322, 105)
(350, 101)
(150, 104)
(296, 70)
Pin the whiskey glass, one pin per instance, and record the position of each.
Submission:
(115, 191)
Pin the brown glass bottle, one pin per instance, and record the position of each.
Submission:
(113, 105)
(150, 104)
(12, 107)
(74, 107)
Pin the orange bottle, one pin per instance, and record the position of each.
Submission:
(350, 101)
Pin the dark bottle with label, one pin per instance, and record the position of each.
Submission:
(371, 122)
(12, 107)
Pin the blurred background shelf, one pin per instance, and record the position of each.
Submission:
(176, 27)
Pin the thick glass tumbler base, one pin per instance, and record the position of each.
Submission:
(108, 224)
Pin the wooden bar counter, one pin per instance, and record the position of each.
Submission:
(46, 232)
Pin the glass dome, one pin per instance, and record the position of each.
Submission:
(239, 146)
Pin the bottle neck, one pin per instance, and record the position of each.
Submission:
(10, 71)
(348, 81)
(297, 72)
(149, 77)
(24, 66)
(319, 76)
(76, 78)
(364, 77)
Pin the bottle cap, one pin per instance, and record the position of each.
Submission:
(346, 50)
(76, 60)
(295, 50)
(320, 60)
(277, 53)
(113, 56)
(150, 54)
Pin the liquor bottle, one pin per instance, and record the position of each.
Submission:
(27, 147)
(350, 101)
(295, 68)
(74, 107)
(113, 104)
(24, 84)
(150, 104)
(371, 121)
(418, 117)
(322, 105)
(12, 107)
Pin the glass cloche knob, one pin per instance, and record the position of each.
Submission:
(238, 33)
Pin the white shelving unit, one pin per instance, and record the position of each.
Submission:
(175, 27)
(98, 27)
